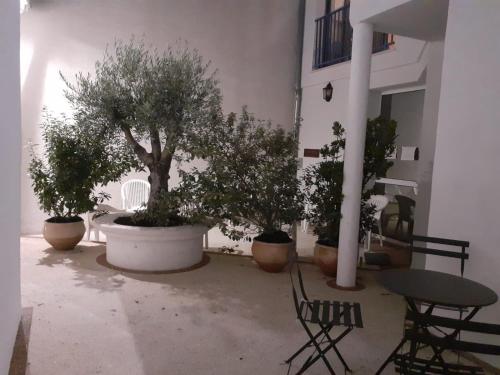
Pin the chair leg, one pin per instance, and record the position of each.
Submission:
(306, 345)
(391, 356)
(399, 226)
(369, 240)
(89, 227)
(334, 346)
(380, 236)
(321, 353)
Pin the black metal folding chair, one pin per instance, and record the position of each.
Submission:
(326, 315)
(462, 254)
(408, 363)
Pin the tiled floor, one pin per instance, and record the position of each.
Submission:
(227, 317)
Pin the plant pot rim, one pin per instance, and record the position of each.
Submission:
(321, 244)
(107, 224)
(275, 243)
(80, 219)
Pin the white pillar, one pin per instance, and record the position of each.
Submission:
(359, 85)
(10, 165)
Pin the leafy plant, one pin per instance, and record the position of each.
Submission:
(72, 166)
(252, 179)
(167, 99)
(323, 181)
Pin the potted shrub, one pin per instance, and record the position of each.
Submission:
(254, 186)
(162, 104)
(323, 186)
(64, 179)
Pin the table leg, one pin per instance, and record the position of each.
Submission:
(413, 349)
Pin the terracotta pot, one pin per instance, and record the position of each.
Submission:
(271, 257)
(326, 257)
(64, 236)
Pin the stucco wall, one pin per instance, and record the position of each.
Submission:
(10, 123)
(402, 66)
(407, 110)
(251, 43)
(465, 182)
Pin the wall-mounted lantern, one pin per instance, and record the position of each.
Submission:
(328, 92)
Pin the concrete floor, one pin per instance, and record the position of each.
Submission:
(227, 317)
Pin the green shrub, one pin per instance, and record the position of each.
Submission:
(250, 183)
(72, 166)
(323, 181)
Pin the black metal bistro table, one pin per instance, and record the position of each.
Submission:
(435, 289)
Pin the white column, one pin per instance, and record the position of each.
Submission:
(359, 86)
(10, 165)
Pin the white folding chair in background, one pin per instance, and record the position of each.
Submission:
(380, 202)
(91, 227)
(135, 194)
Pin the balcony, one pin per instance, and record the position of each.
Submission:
(333, 39)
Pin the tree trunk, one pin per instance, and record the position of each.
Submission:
(158, 178)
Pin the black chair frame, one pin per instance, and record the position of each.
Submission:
(421, 322)
(462, 255)
(449, 341)
(326, 315)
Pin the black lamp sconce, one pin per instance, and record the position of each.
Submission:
(328, 92)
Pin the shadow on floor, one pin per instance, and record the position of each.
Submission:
(19, 361)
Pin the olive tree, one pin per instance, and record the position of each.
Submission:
(162, 103)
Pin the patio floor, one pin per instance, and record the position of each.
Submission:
(227, 317)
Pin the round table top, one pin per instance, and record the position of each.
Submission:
(437, 288)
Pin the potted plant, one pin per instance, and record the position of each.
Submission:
(64, 179)
(254, 186)
(162, 104)
(323, 186)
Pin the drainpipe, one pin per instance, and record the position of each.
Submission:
(298, 72)
(298, 91)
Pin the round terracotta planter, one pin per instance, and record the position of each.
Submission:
(271, 257)
(326, 257)
(64, 236)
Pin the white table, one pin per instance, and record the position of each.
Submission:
(397, 182)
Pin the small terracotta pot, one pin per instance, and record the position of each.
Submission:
(63, 236)
(271, 257)
(326, 257)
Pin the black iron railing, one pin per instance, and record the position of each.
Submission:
(333, 39)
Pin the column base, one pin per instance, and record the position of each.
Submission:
(333, 284)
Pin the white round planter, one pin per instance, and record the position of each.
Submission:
(151, 248)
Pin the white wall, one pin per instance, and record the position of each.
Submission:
(427, 141)
(466, 177)
(402, 65)
(251, 43)
(407, 109)
(10, 123)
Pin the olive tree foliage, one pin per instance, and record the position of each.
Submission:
(250, 183)
(161, 103)
(72, 166)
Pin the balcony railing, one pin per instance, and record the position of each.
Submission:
(333, 39)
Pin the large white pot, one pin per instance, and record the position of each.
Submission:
(151, 249)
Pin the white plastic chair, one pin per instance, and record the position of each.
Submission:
(135, 194)
(380, 202)
(91, 227)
